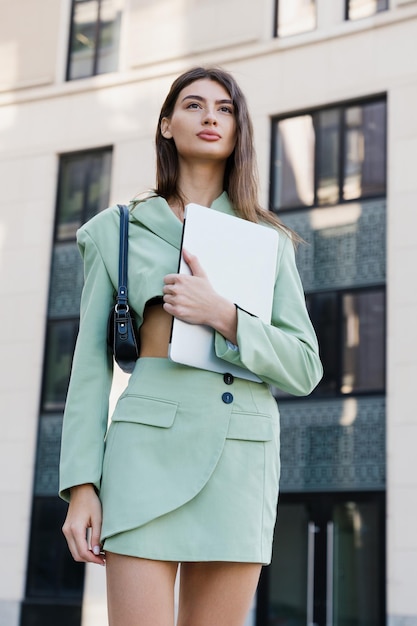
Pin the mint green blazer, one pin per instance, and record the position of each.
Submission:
(283, 353)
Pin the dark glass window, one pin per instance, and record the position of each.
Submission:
(351, 331)
(61, 337)
(357, 9)
(364, 151)
(54, 581)
(293, 168)
(52, 572)
(83, 189)
(329, 156)
(294, 17)
(94, 38)
(363, 342)
(328, 553)
(323, 309)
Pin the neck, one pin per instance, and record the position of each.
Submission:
(201, 183)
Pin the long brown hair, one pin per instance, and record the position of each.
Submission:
(241, 178)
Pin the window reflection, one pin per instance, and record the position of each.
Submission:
(356, 564)
(294, 163)
(110, 16)
(350, 327)
(364, 173)
(331, 155)
(328, 147)
(295, 16)
(94, 38)
(323, 309)
(357, 9)
(83, 39)
(363, 341)
(288, 570)
(83, 190)
(58, 358)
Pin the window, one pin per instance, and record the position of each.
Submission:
(51, 570)
(83, 190)
(94, 37)
(329, 156)
(294, 17)
(350, 326)
(60, 344)
(54, 585)
(357, 9)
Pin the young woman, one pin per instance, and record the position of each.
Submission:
(188, 470)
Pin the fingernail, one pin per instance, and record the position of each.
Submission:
(96, 550)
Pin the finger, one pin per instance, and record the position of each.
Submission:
(193, 263)
(169, 279)
(78, 545)
(87, 554)
(76, 540)
(169, 290)
(71, 545)
(95, 538)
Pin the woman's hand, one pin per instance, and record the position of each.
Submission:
(84, 512)
(193, 300)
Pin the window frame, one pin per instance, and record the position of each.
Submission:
(47, 406)
(55, 586)
(68, 157)
(97, 36)
(339, 343)
(341, 107)
(275, 32)
(57, 241)
(356, 19)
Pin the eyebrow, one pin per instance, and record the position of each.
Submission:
(201, 99)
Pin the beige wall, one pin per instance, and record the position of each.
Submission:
(339, 61)
(161, 31)
(25, 235)
(28, 43)
(402, 358)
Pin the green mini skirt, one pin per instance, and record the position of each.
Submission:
(191, 467)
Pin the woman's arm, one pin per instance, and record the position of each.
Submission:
(193, 300)
(283, 353)
(86, 409)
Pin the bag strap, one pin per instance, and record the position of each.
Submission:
(121, 299)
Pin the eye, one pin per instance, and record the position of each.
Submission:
(226, 109)
(193, 105)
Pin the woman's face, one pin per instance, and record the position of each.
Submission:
(203, 124)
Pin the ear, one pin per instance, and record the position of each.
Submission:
(165, 128)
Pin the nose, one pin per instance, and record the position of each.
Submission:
(209, 117)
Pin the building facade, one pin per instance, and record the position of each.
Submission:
(332, 88)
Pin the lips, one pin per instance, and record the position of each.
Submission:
(208, 135)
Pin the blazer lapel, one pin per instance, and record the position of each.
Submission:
(157, 217)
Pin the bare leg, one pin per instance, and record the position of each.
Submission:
(216, 594)
(140, 592)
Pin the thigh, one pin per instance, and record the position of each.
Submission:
(140, 592)
(216, 593)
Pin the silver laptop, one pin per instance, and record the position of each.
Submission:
(239, 258)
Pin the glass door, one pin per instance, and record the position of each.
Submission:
(328, 565)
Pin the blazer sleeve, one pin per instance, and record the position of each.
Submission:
(87, 403)
(285, 352)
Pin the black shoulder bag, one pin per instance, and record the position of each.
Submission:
(122, 334)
